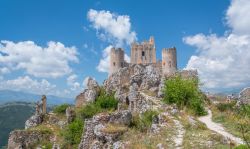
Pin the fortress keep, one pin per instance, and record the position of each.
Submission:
(144, 53)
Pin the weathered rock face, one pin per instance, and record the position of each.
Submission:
(34, 120)
(244, 96)
(147, 77)
(97, 134)
(70, 114)
(21, 139)
(89, 94)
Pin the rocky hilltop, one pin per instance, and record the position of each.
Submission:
(127, 111)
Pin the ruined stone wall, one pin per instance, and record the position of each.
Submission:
(169, 61)
(116, 60)
(189, 74)
(144, 53)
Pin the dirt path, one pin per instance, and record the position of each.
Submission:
(178, 139)
(218, 128)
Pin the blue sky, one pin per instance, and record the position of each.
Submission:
(193, 27)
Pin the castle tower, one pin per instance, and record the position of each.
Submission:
(116, 60)
(143, 53)
(169, 62)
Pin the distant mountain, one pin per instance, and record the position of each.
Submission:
(13, 116)
(12, 96)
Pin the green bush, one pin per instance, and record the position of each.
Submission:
(106, 101)
(103, 102)
(184, 93)
(143, 122)
(61, 108)
(73, 132)
(225, 106)
(89, 111)
(241, 147)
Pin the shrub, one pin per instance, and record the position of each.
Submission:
(72, 133)
(225, 106)
(106, 101)
(184, 92)
(241, 147)
(143, 122)
(103, 102)
(61, 108)
(89, 111)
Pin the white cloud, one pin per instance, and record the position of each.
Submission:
(28, 85)
(4, 70)
(238, 16)
(72, 82)
(51, 61)
(115, 29)
(223, 62)
(103, 65)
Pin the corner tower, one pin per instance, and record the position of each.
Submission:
(116, 60)
(169, 62)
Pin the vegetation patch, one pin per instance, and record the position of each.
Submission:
(61, 109)
(114, 128)
(184, 93)
(73, 132)
(235, 119)
(144, 121)
(104, 102)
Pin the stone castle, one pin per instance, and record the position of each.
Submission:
(144, 53)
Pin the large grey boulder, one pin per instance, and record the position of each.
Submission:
(34, 120)
(22, 139)
(244, 96)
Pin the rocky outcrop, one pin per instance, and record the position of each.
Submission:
(244, 96)
(22, 139)
(34, 120)
(70, 114)
(103, 130)
(89, 94)
(146, 77)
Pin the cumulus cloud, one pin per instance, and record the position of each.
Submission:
(238, 16)
(27, 84)
(111, 27)
(72, 82)
(51, 61)
(223, 61)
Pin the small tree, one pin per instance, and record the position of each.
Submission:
(184, 93)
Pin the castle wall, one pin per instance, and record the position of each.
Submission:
(169, 61)
(116, 60)
(144, 53)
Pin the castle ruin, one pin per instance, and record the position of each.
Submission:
(144, 53)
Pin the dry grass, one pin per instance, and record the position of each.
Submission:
(114, 128)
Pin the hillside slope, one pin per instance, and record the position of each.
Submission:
(13, 116)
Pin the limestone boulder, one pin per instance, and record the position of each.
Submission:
(244, 96)
(22, 139)
(34, 120)
(89, 94)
